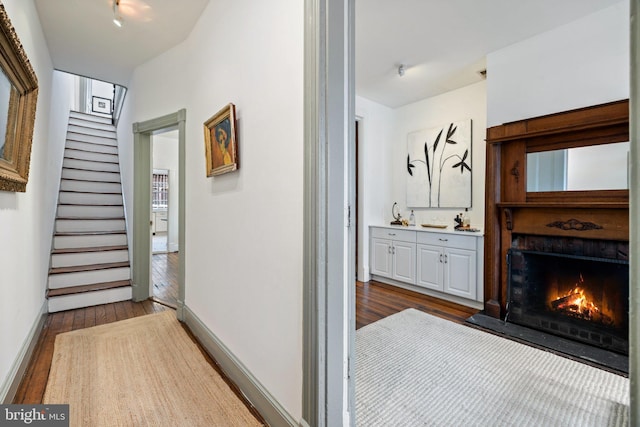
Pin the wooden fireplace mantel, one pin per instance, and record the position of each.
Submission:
(510, 209)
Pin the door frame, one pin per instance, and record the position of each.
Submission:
(329, 117)
(143, 169)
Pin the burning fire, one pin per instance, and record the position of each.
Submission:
(575, 303)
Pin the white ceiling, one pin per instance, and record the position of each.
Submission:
(82, 38)
(442, 42)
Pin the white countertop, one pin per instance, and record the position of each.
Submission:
(448, 230)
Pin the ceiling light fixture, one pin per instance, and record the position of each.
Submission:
(401, 70)
(117, 19)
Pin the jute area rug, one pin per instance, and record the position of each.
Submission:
(143, 371)
(414, 369)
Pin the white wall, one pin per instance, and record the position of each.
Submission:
(165, 156)
(25, 218)
(579, 64)
(244, 230)
(468, 102)
(375, 125)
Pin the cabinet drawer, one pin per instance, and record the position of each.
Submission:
(447, 240)
(392, 234)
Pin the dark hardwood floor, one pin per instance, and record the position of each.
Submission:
(164, 273)
(375, 301)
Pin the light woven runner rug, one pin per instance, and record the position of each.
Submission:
(414, 369)
(143, 371)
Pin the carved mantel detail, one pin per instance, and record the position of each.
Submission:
(508, 216)
(574, 224)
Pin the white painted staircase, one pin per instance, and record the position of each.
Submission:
(89, 256)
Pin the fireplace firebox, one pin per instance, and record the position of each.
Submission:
(578, 297)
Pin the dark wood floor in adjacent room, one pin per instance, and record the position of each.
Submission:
(375, 301)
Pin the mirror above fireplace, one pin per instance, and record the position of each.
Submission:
(595, 167)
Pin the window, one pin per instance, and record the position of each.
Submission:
(160, 190)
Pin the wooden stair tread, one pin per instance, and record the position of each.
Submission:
(89, 249)
(87, 288)
(85, 204)
(89, 160)
(89, 180)
(93, 142)
(89, 267)
(87, 170)
(87, 192)
(90, 218)
(89, 233)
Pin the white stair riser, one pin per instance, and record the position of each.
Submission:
(78, 225)
(96, 148)
(88, 299)
(91, 124)
(90, 155)
(89, 117)
(90, 175)
(67, 280)
(91, 131)
(96, 187)
(74, 242)
(75, 211)
(75, 136)
(88, 258)
(94, 166)
(90, 198)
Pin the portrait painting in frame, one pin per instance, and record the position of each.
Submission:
(221, 145)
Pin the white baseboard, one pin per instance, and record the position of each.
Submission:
(270, 409)
(173, 247)
(12, 381)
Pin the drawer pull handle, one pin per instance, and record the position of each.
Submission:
(392, 234)
(444, 240)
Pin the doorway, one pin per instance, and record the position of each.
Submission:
(145, 134)
(164, 215)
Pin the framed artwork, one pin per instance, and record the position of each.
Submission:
(18, 99)
(439, 166)
(220, 142)
(100, 105)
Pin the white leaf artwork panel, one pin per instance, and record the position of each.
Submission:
(439, 166)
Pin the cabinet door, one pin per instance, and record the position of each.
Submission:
(430, 267)
(381, 257)
(460, 272)
(404, 262)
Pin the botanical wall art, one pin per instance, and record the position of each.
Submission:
(221, 149)
(439, 166)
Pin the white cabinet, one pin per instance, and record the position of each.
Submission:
(448, 262)
(393, 254)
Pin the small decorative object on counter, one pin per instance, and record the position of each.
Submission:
(412, 218)
(458, 221)
(395, 212)
(466, 221)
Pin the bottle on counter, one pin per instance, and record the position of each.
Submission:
(466, 220)
(412, 218)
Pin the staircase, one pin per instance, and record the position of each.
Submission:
(89, 256)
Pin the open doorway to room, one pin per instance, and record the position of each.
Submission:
(164, 217)
(148, 134)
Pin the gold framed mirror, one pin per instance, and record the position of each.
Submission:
(18, 98)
